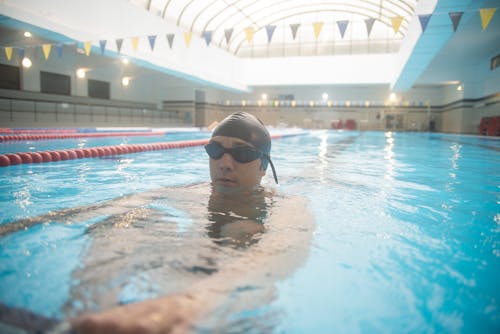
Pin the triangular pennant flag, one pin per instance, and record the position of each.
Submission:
(170, 39)
(455, 19)
(294, 27)
(369, 25)
(486, 16)
(228, 33)
(119, 43)
(249, 31)
(342, 26)
(270, 31)
(21, 53)
(46, 50)
(187, 37)
(59, 49)
(152, 40)
(135, 42)
(87, 45)
(8, 52)
(102, 45)
(207, 35)
(317, 28)
(424, 20)
(396, 23)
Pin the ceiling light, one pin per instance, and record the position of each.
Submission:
(27, 34)
(26, 62)
(324, 96)
(125, 61)
(125, 81)
(392, 97)
(460, 88)
(80, 73)
(264, 96)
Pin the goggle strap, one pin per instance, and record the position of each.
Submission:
(272, 167)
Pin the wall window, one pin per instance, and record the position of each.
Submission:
(99, 89)
(53, 83)
(10, 77)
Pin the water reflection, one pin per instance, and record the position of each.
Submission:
(322, 156)
(389, 155)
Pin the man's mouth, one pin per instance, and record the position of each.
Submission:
(225, 182)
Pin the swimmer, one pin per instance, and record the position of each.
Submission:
(267, 234)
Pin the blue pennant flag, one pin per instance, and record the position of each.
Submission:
(424, 20)
(152, 40)
(207, 35)
(270, 31)
(342, 27)
(102, 44)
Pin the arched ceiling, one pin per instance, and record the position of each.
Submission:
(218, 17)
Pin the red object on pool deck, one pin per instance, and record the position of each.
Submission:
(92, 152)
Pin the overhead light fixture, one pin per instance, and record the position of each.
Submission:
(125, 61)
(264, 96)
(125, 81)
(80, 73)
(26, 62)
(460, 88)
(392, 97)
(324, 96)
(27, 34)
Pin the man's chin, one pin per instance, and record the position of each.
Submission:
(227, 187)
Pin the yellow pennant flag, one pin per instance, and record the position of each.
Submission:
(135, 43)
(46, 50)
(8, 52)
(486, 16)
(187, 38)
(86, 47)
(317, 28)
(249, 31)
(396, 23)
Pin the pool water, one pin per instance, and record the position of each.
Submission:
(406, 235)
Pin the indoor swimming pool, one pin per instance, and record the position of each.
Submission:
(366, 232)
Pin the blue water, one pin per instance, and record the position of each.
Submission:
(406, 239)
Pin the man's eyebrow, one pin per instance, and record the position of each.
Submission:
(238, 144)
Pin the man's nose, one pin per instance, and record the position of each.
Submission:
(226, 162)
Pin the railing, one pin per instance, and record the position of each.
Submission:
(36, 109)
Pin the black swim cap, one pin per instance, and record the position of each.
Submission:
(249, 128)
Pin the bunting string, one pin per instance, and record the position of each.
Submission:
(485, 14)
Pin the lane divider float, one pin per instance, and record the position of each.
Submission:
(77, 135)
(91, 152)
(19, 158)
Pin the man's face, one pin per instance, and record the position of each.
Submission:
(228, 172)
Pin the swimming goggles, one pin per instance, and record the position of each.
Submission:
(241, 154)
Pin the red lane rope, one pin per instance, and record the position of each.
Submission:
(91, 152)
(101, 151)
(77, 135)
